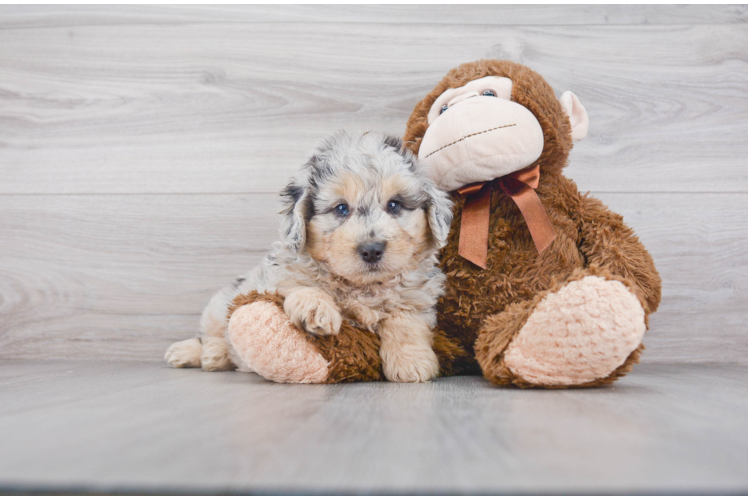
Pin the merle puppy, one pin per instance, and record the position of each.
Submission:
(360, 232)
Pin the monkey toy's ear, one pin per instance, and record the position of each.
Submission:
(577, 115)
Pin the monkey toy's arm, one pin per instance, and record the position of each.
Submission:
(610, 245)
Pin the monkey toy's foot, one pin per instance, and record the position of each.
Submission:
(586, 333)
(266, 342)
(264, 338)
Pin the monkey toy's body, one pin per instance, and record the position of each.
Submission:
(568, 312)
(587, 333)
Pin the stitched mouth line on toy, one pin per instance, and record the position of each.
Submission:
(469, 135)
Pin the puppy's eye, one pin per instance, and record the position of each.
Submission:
(444, 108)
(489, 93)
(393, 207)
(342, 210)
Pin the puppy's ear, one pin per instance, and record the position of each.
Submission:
(438, 205)
(393, 142)
(295, 214)
(439, 211)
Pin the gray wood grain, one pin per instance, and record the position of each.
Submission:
(223, 108)
(144, 427)
(75, 15)
(141, 149)
(120, 277)
(117, 275)
(24, 16)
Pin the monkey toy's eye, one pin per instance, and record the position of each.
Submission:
(393, 207)
(342, 210)
(444, 108)
(489, 93)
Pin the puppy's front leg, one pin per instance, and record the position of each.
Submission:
(313, 310)
(407, 355)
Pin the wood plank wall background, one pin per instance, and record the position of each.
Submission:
(141, 149)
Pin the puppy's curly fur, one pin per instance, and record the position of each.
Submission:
(360, 233)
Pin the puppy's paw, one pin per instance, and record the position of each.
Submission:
(313, 310)
(216, 356)
(363, 317)
(184, 354)
(409, 363)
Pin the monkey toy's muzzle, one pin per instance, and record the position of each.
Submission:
(480, 138)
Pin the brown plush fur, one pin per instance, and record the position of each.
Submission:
(496, 302)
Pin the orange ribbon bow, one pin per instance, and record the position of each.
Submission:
(520, 186)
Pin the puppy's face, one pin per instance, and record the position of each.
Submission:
(371, 227)
(368, 214)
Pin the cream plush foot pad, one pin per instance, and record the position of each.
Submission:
(266, 340)
(579, 334)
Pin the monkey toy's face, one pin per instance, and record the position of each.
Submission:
(477, 133)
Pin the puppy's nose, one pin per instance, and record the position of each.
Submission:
(372, 252)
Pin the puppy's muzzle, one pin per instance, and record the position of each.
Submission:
(371, 253)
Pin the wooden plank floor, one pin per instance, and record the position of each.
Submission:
(140, 427)
(141, 149)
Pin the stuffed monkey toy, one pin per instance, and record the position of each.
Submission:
(546, 287)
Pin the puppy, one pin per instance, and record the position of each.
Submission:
(361, 230)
